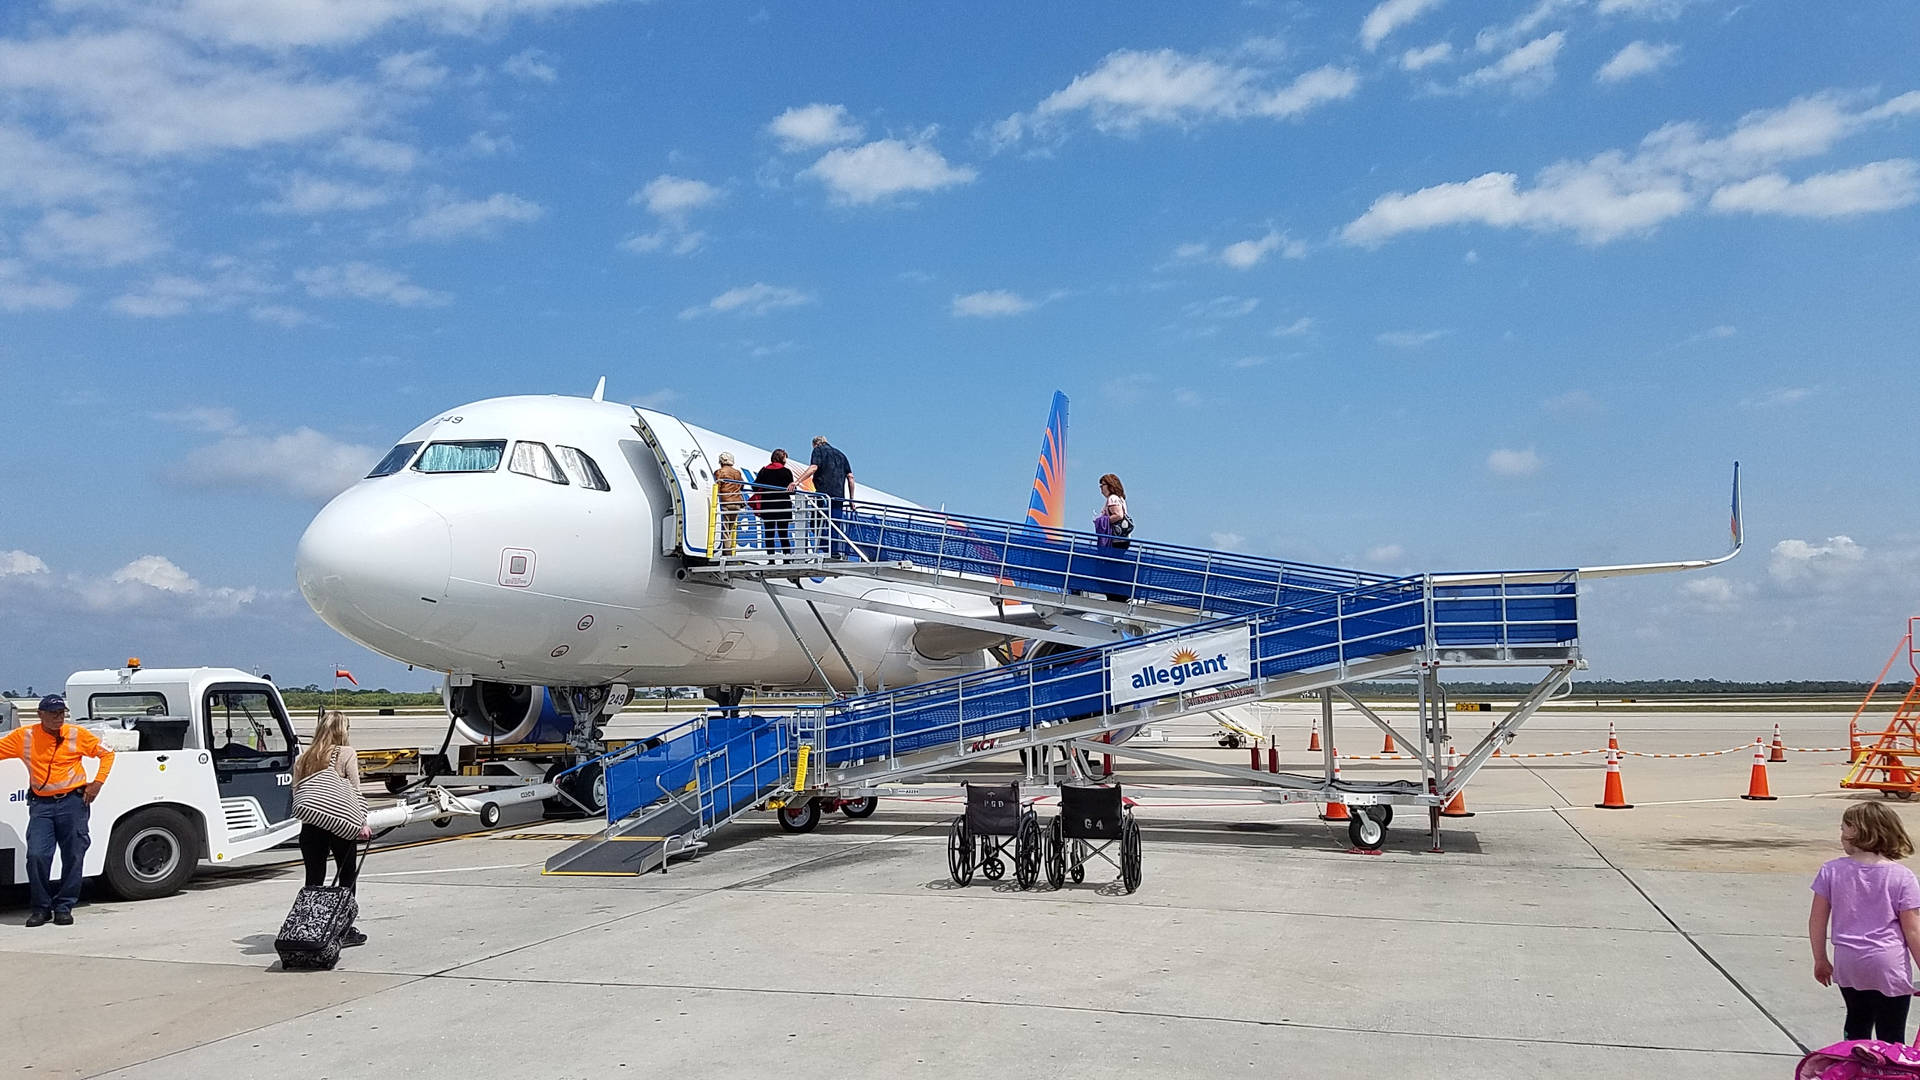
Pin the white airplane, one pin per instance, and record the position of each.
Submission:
(532, 542)
(526, 542)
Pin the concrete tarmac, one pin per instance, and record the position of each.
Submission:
(1548, 938)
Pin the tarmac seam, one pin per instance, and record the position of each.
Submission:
(1140, 1013)
(1697, 947)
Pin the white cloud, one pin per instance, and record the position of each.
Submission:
(304, 194)
(22, 290)
(1391, 16)
(303, 463)
(110, 237)
(230, 284)
(1573, 403)
(365, 281)
(485, 144)
(807, 127)
(1247, 254)
(1617, 193)
(280, 315)
(1227, 541)
(1795, 562)
(531, 65)
(1515, 463)
(382, 155)
(1295, 328)
(1131, 90)
(1386, 553)
(885, 168)
(1222, 307)
(1247, 363)
(211, 419)
(412, 70)
(1715, 593)
(756, 299)
(670, 196)
(1778, 399)
(1645, 9)
(451, 218)
(154, 581)
(1868, 189)
(342, 22)
(34, 172)
(1425, 57)
(1410, 339)
(1494, 38)
(138, 92)
(991, 304)
(156, 572)
(17, 562)
(679, 241)
(1526, 69)
(1636, 59)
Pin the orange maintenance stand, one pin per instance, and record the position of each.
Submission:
(1889, 761)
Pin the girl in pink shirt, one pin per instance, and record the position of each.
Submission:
(1873, 904)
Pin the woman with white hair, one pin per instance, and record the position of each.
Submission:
(333, 813)
(728, 481)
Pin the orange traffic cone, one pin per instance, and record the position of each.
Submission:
(1757, 783)
(1779, 752)
(1457, 806)
(1313, 741)
(1388, 746)
(1613, 737)
(1613, 798)
(1335, 811)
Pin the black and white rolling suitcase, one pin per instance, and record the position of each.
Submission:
(310, 939)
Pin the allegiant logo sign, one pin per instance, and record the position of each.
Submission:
(1184, 664)
(1189, 662)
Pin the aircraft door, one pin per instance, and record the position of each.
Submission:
(252, 746)
(689, 477)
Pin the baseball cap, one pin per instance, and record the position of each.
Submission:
(53, 703)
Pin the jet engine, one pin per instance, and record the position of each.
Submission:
(502, 712)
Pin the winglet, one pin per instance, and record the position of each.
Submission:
(1739, 534)
(600, 389)
(1047, 507)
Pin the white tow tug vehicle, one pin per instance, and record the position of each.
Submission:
(202, 772)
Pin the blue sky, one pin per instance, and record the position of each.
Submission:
(1425, 285)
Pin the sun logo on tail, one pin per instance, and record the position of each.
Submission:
(1185, 656)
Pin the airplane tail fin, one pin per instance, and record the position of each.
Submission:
(1047, 507)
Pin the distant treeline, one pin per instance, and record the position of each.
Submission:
(312, 697)
(1618, 688)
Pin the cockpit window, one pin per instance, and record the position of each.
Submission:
(532, 459)
(581, 469)
(395, 460)
(479, 455)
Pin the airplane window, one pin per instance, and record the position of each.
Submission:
(532, 459)
(581, 469)
(395, 460)
(480, 455)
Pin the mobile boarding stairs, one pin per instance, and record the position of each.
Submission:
(1208, 629)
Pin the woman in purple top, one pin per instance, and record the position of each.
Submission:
(1874, 906)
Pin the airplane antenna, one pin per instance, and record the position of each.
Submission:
(600, 389)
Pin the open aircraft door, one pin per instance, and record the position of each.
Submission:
(689, 478)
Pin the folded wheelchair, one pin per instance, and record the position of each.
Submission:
(1091, 821)
(995, 820)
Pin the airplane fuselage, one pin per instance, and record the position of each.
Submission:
(485, 546)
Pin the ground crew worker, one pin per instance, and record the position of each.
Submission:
(58, 795)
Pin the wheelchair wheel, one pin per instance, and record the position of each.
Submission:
(1130, 855)
(960, 852)
(1078, 869)
(1056, 855)
(1026, 853)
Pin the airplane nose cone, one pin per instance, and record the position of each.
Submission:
(374, 563)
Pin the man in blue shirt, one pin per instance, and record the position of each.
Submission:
(832, 476)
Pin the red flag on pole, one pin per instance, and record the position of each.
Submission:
(343, 673)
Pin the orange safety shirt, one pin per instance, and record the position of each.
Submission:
(53, 765)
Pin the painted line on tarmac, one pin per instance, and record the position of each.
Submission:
(450, 870)
(1667, 802)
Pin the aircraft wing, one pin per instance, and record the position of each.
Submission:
(1619, 570)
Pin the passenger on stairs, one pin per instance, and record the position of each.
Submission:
(773, 501)
(728, 480)
(1112, 529)
(832, 476)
